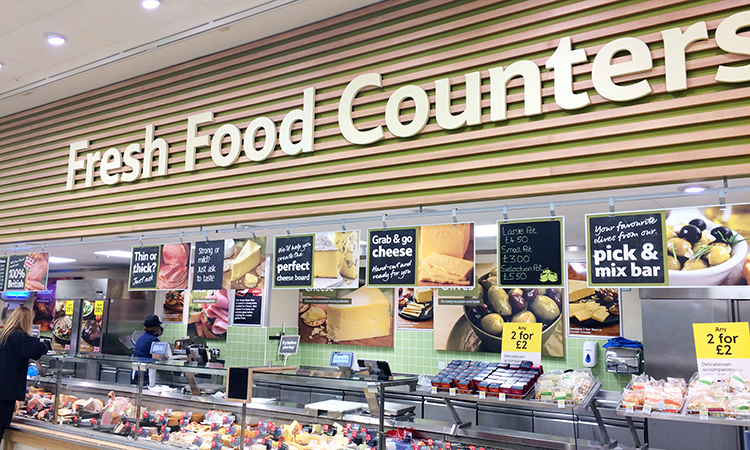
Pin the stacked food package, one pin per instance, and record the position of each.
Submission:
(474, 377)
(720, 396)
(567, 386)
(644, 392)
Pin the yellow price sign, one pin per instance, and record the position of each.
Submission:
(99, 308)
(722, 340)
(522, 337)
(69, 307)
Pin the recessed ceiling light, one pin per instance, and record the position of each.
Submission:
(55, 38)
(59, 260)
(114, 253)
(150, 4)
(2, 64)
(693, 189)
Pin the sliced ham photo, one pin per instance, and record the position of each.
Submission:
(173, 272)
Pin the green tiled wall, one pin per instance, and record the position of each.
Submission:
(412, 352)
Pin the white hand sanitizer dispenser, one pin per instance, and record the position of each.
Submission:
(589, 353)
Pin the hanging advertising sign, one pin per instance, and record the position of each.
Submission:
(159, 267)
(27, 272)
(361, 317)
(245, 263)
(293, 261)
(530, 253)
(722, 348)
(429, 255)
(208, 265)
(3, 272)
(476, 321)
(208, 314)
(707, 246)
(248, 308)
(626, 249)
(591, 311)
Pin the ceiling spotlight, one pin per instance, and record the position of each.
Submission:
(60, 260)
(693, 189)
(55, 38)
(2, 64)
(150, 4)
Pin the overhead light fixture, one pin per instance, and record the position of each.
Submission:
(2, 64)
(486, 230)
(150, 4)
(693, 189)
(60, 260)
(114, 253)
(55, 38)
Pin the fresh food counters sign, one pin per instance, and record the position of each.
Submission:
(135, 160)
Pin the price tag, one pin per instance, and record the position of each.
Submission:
(722, 348)
(561, 403)
(452, 392)
(647, 410)
(99, 308)
(482, 394)
(629, 409)
(522, 342)
(433, 390)
(69, 307)
(704, 415)
(501, 396)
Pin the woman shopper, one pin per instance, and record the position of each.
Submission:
(16, 347)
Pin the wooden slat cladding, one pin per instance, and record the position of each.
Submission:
(698, 133)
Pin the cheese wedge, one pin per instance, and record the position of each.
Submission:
(347, 243)
(325, 259)
(451, 240)
(247, 260)
(583, 315)
(424, 295)
(577, 290)
(368, 316)
(600, 314)
(458, 267)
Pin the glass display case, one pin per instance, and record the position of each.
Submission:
(181, 403)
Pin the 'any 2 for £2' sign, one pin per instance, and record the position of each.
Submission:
(722, 348)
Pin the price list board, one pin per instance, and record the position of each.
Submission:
(722, 348)
(530, 253)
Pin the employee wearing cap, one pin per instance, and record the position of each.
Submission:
(153, 329)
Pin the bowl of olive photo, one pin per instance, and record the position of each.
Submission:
(502, 305)
(701, 252)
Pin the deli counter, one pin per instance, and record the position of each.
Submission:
(69, 406)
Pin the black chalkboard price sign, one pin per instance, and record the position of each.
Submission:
(626, 249)
(3, 271)
(293, 261)
(209, 265)
(144, 267)
(530, 253)
(392, 257)
(16, 280)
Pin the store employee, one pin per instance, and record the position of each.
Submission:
(153, 329)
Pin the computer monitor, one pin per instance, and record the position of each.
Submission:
(162, 349)
(343, 359)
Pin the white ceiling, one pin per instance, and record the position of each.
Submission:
(113, 40)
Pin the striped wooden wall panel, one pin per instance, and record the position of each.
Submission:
(700, 133)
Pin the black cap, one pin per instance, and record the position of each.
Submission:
(152, 321)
